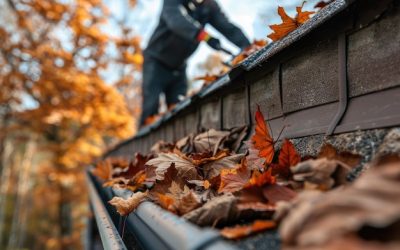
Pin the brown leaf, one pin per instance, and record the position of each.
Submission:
(137, 165)
(233, 180)
(372, 200)
(210, 140)
(321, 173)
(246, 230)
(186, 169)
(187, 203)
(126, 206)
(220, 209)
(331, 153)
(213, 169)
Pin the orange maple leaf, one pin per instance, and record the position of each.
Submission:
(262, 139)
(289, 24)
(288, 156)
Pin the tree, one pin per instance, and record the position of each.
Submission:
(51, 62)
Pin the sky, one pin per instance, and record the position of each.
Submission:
(252, 16)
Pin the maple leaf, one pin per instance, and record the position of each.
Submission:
(126, 206)
(289, 24)
(233, 180)
(186, 169)
(262, 139)
(288, 157)
(240, 231)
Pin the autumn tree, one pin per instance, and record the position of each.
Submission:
(52, 58)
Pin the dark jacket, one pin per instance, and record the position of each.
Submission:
(174, 39)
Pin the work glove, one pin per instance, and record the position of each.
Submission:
(211, 41)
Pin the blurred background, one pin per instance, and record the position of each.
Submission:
(70, 77)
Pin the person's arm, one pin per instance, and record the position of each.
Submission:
(221, 23)
(179, 21)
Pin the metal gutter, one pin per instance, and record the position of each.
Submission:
(109, 234)
(157, 228)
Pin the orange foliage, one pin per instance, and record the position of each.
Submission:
(262, 139)
(289, 24)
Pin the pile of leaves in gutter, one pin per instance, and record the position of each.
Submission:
(204, 179)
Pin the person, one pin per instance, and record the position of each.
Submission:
(179, 32)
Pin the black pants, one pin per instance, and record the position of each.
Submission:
(157, 79)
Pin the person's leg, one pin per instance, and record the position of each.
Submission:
(151, 89)
(177, 87)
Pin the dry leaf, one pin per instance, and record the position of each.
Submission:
(321, 173)
(372, 200)
(288, 157)
(233, 180)
(126, 206)
(238, 232)
(220, 209)
(210, 140)
(289, 24)
(262, 139)
(186, 169)
(213, 169)
(331, 153)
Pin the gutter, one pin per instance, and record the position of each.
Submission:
(109, 235)
(157, 228)
(152, 226)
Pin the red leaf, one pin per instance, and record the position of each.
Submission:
(262, 139)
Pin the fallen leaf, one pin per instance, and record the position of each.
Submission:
(186, 169)
(288, 157)
(137, 165)
(210, 140)
(289, 24)
(220, 209)
(372, 200)
(187, 203)
(213, 169)
(331, 153)
(233, 180)
(238, 232)
(322, 173)
(262, 139)
(126, 206)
